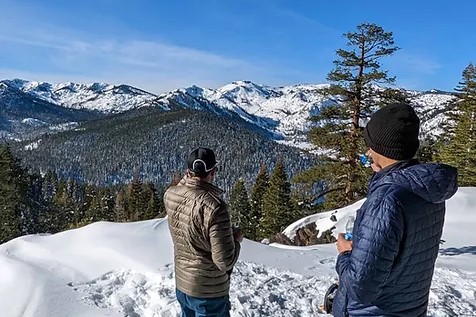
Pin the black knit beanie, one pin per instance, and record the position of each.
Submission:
(393, 132)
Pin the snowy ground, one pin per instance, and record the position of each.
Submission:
(109, 269)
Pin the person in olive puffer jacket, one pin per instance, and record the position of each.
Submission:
(206, 246)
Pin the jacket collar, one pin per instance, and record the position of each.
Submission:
(196, 182)
(376, 177)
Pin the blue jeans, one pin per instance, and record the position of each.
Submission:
(203, 307)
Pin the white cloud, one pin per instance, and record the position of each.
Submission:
(416, 63)
(414, 70)
(149, 64)
(155, 52)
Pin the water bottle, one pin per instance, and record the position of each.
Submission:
(349, 228)
(365, 160)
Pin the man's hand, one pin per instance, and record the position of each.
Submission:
(237, 234)
(343, 244)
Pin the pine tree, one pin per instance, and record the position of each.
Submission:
(277, 207)
(100, 205)
(339, 130)
(460, 149)
(13, 193)
(135, 201)
(107, 204)
(150, 198)
(120, 208)
(302, 200)
(240, 210)
(426, 151)
(76, 197)
(92, 204)
(50, 184)
(256, 201)
(61, 212)
(30, 223)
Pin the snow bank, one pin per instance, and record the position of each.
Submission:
(460, 222)
(126, 269)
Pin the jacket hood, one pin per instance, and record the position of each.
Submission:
(433, 182)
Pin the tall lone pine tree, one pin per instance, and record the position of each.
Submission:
(354, 78)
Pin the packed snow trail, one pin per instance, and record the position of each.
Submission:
(256, 290)
(259, 291)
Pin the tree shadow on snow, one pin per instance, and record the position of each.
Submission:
(458, 251)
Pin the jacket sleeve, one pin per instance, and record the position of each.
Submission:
(225, 250)
(376, 243)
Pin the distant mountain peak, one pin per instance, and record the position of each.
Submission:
(438, 91)
(97, 96)
(243, 84)
(14, 83)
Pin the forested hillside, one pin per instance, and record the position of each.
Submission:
(152, 145)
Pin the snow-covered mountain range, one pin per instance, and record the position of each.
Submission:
(283, 111)
(96, 96)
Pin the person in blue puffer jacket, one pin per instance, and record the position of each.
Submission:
(387, 268)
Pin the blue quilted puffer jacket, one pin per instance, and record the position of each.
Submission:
(396, 239)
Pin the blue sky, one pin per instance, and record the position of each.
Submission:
(161, 45)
